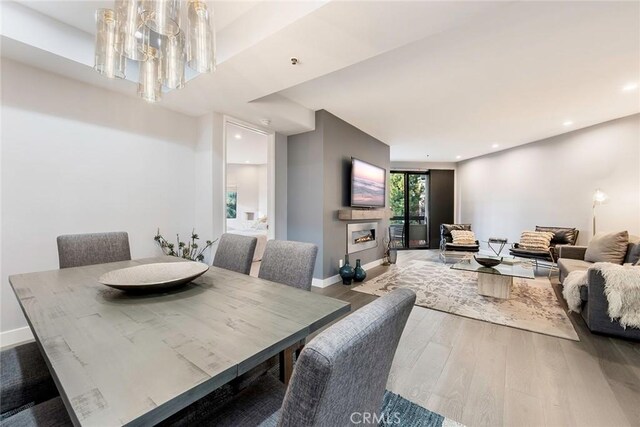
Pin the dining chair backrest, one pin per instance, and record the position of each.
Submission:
(344, 370)
(290, 263)
(77, 250)
(235, 252)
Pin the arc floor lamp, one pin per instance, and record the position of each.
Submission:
(599, 198)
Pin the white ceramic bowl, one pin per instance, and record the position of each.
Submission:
(153, 277)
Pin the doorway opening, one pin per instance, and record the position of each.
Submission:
(248, 196)
(408, 196)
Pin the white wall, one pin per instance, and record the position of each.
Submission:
(263, 187)
(418, 166)
(281, 161)
(551, 182)
(209, 178)
(77, 159)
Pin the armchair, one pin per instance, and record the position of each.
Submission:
(447, 248)
(562, 236)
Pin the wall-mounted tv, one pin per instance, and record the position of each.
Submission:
(368, 185)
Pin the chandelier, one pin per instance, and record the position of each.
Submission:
(161, 36)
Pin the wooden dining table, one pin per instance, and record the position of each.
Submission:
(135, 359)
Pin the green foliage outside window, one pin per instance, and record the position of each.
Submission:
(232, 203)
(416, 195)
(396, 196)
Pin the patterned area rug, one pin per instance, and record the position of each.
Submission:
(398, 411)
(533, 305)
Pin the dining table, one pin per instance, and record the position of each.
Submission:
(122, 358)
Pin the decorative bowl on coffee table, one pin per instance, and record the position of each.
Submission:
(488, 261)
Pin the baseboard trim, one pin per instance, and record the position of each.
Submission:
(15, 336)
(323, 283)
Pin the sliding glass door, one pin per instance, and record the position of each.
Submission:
(409, 226)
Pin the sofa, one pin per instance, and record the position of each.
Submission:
(594, 301)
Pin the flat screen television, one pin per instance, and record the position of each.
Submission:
(368, 185)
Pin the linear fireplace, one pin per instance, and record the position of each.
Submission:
(361, 236)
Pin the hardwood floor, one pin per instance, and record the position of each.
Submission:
(481, 374)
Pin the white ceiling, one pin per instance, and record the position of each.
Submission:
(245, 146)
(428, 78)
(509, 78)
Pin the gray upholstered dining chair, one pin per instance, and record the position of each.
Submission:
(289, 263)
(341, 371)
(50, 413)
(235, 252)
(24, 379)
(77, 250)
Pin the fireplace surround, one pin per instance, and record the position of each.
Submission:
(361, 236)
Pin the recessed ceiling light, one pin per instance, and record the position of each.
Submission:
(567, 123)
(629, 87)
(495, 146)
(246, 161)
(458, 157)
(237, 136)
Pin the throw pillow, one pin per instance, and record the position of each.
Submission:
(610, 247)
(633, 256)
(463, 237)
(536, 240)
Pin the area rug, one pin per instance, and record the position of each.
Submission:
(533, 305)
(398, 411)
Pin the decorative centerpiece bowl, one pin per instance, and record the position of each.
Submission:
(488, 261)
(153, 277)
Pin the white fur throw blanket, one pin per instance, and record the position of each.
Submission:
(622, 289)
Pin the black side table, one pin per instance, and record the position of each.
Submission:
(497, 241)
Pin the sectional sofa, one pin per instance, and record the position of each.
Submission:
(595, 304)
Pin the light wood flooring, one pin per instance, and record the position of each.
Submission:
(481, 374)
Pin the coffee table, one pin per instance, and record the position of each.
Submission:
(496, 281)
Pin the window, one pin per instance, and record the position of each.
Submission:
(232, 204)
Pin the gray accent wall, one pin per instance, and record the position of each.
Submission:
(305, 174)
(552, 181)
(319, 184)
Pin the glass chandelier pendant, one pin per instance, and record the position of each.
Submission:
(165, 15)
(108, 60)
(150, 32)
(173, 61)
(129, 22)
(150, 85)
(201, 43)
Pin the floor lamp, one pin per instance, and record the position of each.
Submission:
(598, 199)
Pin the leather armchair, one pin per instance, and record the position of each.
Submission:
(562, 236)
(446, 239)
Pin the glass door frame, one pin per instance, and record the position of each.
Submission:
(407, 217)
(220, 219)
